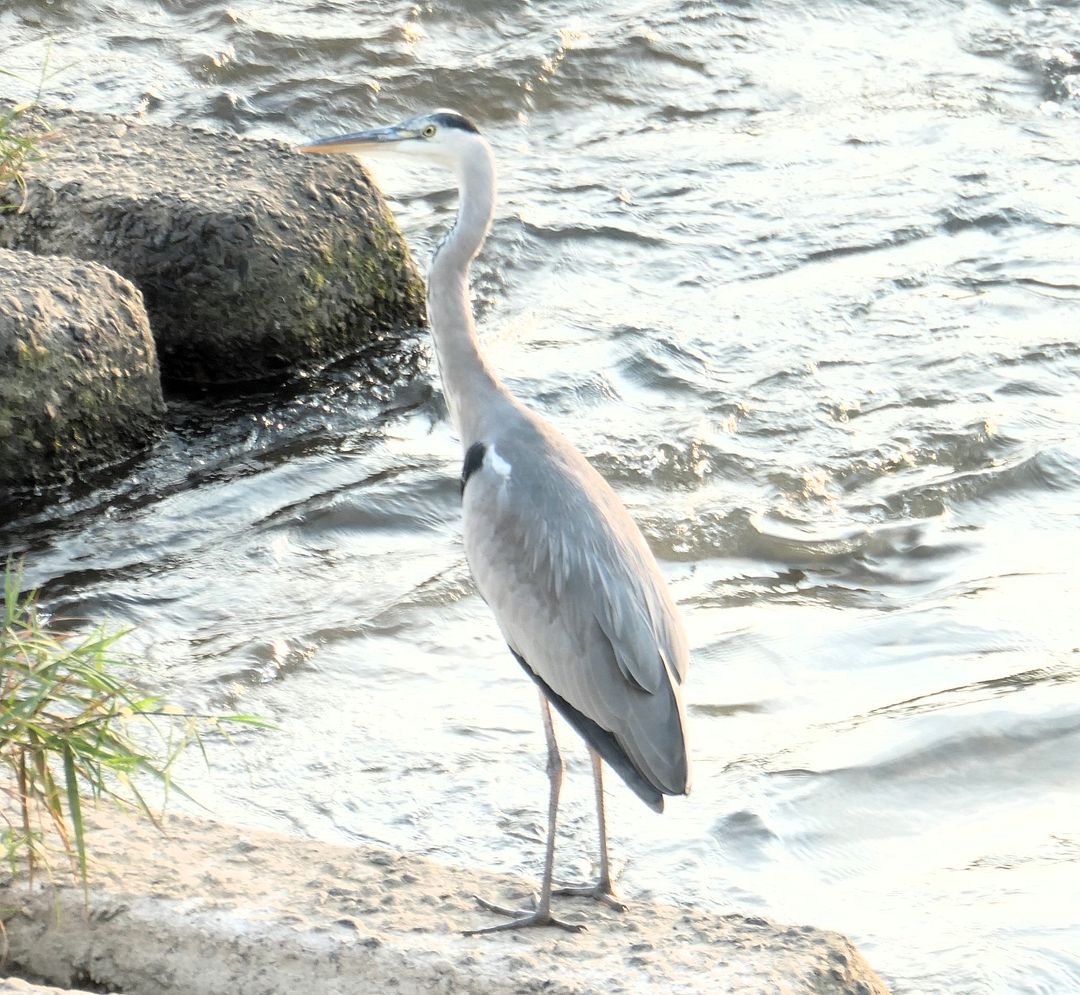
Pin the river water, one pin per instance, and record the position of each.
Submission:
(801, 279)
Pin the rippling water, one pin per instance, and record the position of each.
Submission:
(801, 280)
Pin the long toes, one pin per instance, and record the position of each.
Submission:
(598, 892)
(610, 901)
(521, 919)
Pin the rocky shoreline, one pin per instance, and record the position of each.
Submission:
(248, 261)
(211, 909)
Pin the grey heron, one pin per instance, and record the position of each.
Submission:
(565, 570)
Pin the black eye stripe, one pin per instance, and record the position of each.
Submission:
(451, 119)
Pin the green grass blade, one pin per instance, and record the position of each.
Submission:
(75, 808)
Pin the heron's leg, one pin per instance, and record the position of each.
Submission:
(541, 914)
(603, 890)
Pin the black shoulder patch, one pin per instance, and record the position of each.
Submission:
(452, 119)
(474, 459)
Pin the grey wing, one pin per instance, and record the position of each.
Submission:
(581, 603)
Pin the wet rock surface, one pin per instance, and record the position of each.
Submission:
(253, 259)
(217, 909)
(79, 382)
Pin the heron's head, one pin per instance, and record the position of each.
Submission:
(443, 136)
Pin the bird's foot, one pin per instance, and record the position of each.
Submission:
(602, 891)
(521, 919)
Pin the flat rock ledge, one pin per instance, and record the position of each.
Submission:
(79, 380)
(212, 909)
(253, 259)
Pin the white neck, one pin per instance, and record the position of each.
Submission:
(472, 390)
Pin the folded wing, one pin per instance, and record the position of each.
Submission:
(581, 602)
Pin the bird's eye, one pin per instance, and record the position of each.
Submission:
(429, 131)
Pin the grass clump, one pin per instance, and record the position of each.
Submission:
(72, 725)
(22, 130)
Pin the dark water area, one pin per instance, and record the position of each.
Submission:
(802, 281)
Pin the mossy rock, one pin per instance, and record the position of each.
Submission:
(253, 259)
(79, 382)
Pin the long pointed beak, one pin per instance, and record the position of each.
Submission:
(359, 141)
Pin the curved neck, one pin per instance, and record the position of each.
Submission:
(470, 387)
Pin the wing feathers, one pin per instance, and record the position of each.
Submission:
(600, 740)
(578, 596)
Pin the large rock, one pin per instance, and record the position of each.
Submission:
(252, 258)
(79, 381)
(217, 910)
